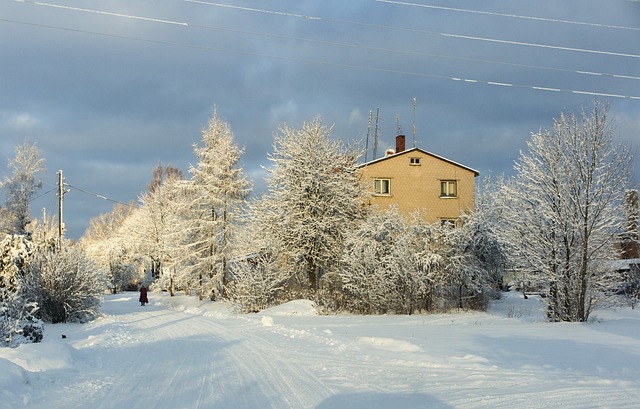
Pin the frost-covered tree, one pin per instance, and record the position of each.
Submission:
(70, 285)
(400, 265)
(475, 257)
(257, 284)
(180, 259)
(7, 221)
(368, 267)
(105, 241)
(18, 306)
(22, 185)
(313, 201)
(219, 187)
(630, 285)
(154, 228)
(567, 209)
(471, 264)
(390, 264)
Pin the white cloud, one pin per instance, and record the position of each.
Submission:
(283, 112)
(355, 117)
(18, 121)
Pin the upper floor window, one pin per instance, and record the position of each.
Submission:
(414, 161)
(381, 186)
(448, 188)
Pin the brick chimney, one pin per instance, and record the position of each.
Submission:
(400, 143)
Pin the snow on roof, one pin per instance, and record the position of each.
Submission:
(475, 172)
(623, 264)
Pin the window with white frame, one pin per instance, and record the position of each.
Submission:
(414, 161)
(448, 188)
(381, 186)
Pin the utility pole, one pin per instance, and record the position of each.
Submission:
(60, 200)
(44, 224)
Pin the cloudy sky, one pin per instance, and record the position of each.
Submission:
(107, 89)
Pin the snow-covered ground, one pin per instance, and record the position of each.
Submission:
(181, 353)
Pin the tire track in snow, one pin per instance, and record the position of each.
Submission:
(157, 357)
(262, 374)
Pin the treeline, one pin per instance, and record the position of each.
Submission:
(551, 228)
(309, 235)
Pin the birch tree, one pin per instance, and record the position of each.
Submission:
(21, 187)
(568, 208)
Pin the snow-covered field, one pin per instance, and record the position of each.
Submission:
(182, 353)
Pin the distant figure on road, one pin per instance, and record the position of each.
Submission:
(143, 295)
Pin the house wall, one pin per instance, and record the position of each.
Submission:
(414, 187)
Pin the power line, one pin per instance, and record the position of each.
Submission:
(517, 16)
(331, 64)
(44, 194)
(106, 13)
(94, 194)
(316, 18)
(422, 54)
(553, 47)
(379, 26)
(357, 46)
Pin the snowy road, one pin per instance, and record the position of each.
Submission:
(181, 353)
(155, 357)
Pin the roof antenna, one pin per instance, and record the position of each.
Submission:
(413, 130)
(398, 124)
(366, 146)
(375, 136)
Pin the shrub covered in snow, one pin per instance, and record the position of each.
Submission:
(256, 283)
(395, 265)
(18, 323)
(70, 285)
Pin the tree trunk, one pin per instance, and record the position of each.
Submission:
(552, 303)
(312, 273)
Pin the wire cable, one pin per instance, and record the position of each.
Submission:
(420, 54)
(307, 17)
(44, 194)
(94, 194)
(331, 64)
(379, 26)
(490, 13)
(364, 47)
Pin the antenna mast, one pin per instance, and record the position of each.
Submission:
(366, 146)
(375, 136)
(413, 130)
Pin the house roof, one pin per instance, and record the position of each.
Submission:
(407, 151)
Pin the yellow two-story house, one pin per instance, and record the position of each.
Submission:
(414, 179)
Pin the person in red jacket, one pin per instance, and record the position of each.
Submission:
(143, 296)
